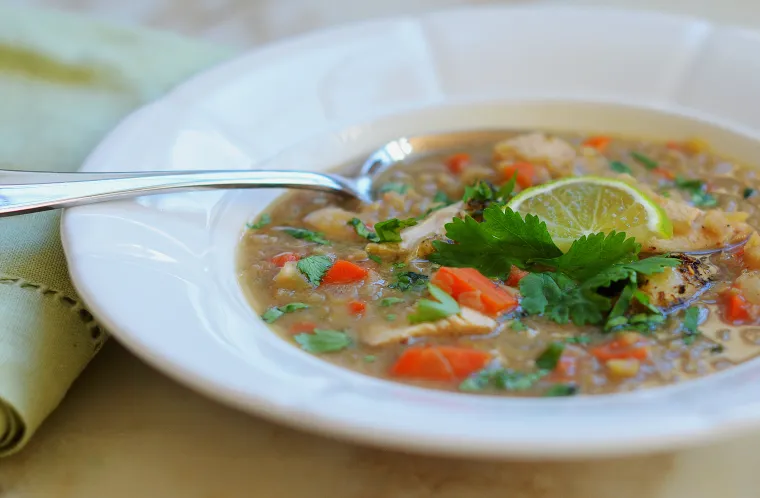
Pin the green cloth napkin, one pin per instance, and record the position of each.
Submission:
(64, 82)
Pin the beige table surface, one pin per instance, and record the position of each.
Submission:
(127, 431)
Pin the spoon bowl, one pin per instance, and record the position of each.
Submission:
(29, 191)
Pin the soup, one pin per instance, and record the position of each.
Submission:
(502, 270)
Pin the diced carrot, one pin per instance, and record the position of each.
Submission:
(665, 173)
(302, 328)
(439, 363)
(515, 275)
(672, 145)
(620, 348)
(736, 307)
(471, 288)
(357, 307)
(526, 173)
(566, 368)
(457, 162)
(344, 272)
(285, 257)
(599, 142)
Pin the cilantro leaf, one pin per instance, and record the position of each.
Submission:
(644, 160)
(561, 390)
(589, 253)
(362, 230)
(619, 167)
(375, 258)
(691, 324)
(314, 268)
(616, 316)
(398, 187)
(623, 271)
(275, 312)
(390, 301)
(518, 326)
(323, 341)
(482, 191)
(696, 190)
(389, 230)
(550, 357)
(430, 311)
(503, 239)
(501, 378)
(264, 220)
(577, 339)
(409, 280)
(748, 192)
(560, 299)
(506, 191)
(440, 197)
(309, 235)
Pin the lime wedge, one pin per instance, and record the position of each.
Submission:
(573, 207)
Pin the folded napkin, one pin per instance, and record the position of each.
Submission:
(64, 82)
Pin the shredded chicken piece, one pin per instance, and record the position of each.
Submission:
(416, 241)
(752, 252)
(749, 283)
(679, 285)
(539, 148)
(694, 229)
(332, 221)
(467, 322)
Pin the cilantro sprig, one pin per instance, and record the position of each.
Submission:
(323, 341)
(563, 286)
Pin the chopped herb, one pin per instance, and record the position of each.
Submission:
(560, 299)
(550, 357)
(577, 339)
(518, 325)
(696, 190)
(275, 312)
(717, 349)
(482, 191)
(375, 258)
(644, 300)
(507, 191)
(308, 235)
(561, 390)
(390, 301)
(620, 167)
(323, 341)
(400, 188)
(264, 220)
(643, 160)
(440, 197)
(389, 230)
(431, 311)
(665, 193)
(615, 322)
(748, 192)
(409, 281)
(501, 378)
(691, 324)
(370, 358)
(314, 268)
(362, 230)
(390, 317)
(398, 265)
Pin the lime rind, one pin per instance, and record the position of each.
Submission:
(658, 223)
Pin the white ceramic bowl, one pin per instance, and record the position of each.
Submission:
(159, 272)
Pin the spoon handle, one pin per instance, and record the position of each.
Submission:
(28, 191)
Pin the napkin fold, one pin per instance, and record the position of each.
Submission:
(64, 82)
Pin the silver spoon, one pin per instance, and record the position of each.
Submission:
(28, 191)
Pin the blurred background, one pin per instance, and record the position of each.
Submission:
(246, 23)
